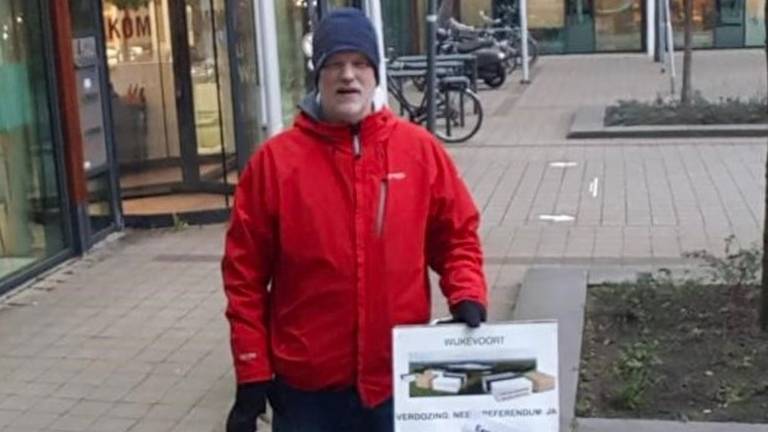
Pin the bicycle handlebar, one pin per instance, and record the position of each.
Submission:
(489, 20)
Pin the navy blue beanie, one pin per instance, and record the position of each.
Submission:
(345, 29)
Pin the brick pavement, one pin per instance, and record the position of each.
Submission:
(133, 338)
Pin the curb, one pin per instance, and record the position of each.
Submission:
(611, 425)
(588, 123)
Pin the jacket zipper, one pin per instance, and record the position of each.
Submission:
(383, 191)
(357, 149)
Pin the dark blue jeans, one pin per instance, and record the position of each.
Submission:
(326, 411)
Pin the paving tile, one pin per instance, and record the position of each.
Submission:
(637, 242)
(53, 405)
(202, 420)
(665, 242)
(72, 423)
(609, 242)
(19, 403)
(37, 389)
(128, 410)
(74, 390)
(33, 420)
(90, 408)
(153, 426)
(109, 393)
(107, 424)
(7, 416)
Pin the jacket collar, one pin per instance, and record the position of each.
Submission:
(372, 130)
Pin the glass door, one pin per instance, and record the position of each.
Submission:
(93, 101)
(546, 22)
(729, 28)
(211, 87)
(244, 76)
(32, 219)
(294, 20)
(173, 108)
(143, 92)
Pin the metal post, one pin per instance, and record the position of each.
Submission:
(271, 65)
(650, 30)
(660, 34)
(662, 39)
(431, 73)
(524, 40)
(373, 10)
(260, 70)
(670, 46)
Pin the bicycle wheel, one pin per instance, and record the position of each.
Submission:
(496, 80)
(459, 115)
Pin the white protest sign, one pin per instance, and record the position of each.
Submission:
(499, 377)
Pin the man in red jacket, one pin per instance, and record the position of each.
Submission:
(335, 224)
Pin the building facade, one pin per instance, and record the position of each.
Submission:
(584, 26)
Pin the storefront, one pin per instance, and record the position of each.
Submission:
(584, 26)
(119, 108)
(34, 211)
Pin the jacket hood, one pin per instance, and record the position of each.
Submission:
(375, 128)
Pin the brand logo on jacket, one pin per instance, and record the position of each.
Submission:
(248, 356)
(396, 176)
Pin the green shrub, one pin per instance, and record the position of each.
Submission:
(699, 112)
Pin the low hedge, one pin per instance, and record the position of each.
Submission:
(699, 112)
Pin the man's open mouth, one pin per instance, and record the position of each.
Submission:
(347, 91)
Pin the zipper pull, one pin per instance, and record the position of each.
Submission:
(357, 148)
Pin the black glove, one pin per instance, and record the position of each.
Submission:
(469, 312)
(250, 402)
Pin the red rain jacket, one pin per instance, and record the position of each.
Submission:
(327, 250)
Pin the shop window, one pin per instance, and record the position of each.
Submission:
(293, 22)
(546, 22)
(755, 23)
(704, 20)
(139, 56)
(618, 25)
(31, 215)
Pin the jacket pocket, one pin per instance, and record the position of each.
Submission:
(381, 208)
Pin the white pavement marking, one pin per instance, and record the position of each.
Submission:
(562, 164)
(556, 218)
(594, 186)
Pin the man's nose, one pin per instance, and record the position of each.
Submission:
(348, 71)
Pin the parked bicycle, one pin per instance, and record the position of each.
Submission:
(505, 28)
(458, 111)
(491, 55)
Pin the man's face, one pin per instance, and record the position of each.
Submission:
(347, 83)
